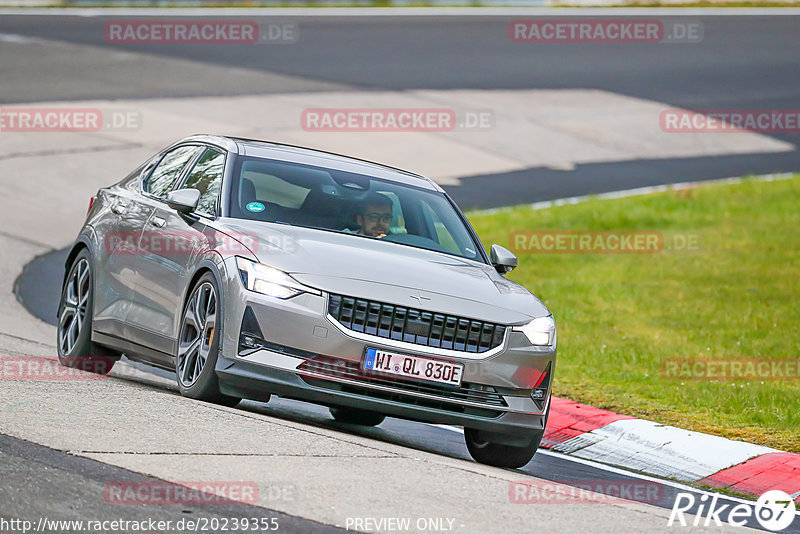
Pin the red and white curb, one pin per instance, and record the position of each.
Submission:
(666, 451)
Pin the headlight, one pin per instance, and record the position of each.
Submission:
(270, 281)
(541, 331)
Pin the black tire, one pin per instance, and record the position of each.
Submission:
(75, 314)
(497, 454)
(354, 416)
(198, 379)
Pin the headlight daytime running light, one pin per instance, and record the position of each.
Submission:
(270, 281)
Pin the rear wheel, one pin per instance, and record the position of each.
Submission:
(198, 344)
(498, 454)
(74, 333)
(354, 416)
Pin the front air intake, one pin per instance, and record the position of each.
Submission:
(411, 325)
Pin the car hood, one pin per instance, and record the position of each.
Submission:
(388, 272)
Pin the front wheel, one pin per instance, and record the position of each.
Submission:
(74, 333)
(498, 454)
(198, 344)
(354, 416)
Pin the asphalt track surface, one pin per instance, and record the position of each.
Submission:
(743, 63)
(73, 483)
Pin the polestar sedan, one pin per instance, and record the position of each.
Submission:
(252, 269)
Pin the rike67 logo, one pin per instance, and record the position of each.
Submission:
(774, 510)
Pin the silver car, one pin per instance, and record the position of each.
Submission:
(253, 269)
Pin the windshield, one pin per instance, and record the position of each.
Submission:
(344, 202)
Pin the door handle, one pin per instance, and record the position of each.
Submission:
(118, 208)
(158, 222)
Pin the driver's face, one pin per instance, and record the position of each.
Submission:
(375, 221)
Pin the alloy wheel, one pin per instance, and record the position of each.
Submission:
(197, 333)
(75, 306)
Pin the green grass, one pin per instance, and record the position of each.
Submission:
(620, 315)
(708, 3)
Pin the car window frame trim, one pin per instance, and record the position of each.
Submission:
(191, 165)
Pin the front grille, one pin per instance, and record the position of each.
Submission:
(415, 326)
(350, 370)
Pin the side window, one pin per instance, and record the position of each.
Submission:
(163, 178)
(206, 177)
(134, 179)
(147, 167)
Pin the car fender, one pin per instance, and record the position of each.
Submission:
(86, 239)
(211, 262)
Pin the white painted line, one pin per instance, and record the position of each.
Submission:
(661, 450)
(625, 193)
(641, 476)
(620, 471)
(19, 39)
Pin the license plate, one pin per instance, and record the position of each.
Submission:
(414, 367)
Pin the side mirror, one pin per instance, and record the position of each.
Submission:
(503, 259)
(183, 200)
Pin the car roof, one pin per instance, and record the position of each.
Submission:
(314, 157)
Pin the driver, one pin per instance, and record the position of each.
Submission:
(374, 215)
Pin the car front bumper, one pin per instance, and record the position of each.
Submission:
(305, 354)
